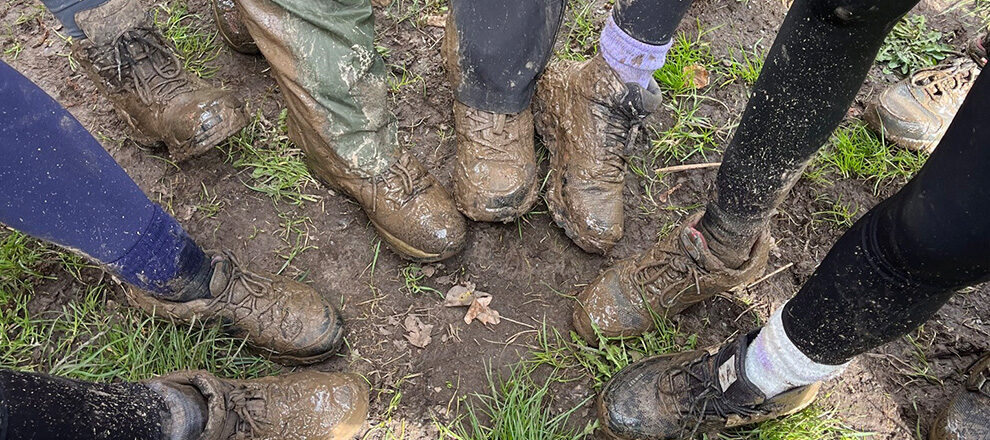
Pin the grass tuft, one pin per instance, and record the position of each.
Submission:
(581, 27)
(855, 151)
(912, 45)
(814, 422)
(195, 45)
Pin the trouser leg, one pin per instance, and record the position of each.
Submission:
(502, 48)
(650, 21)
(38, 406)
(902, 261)
(60, 185)
(818, 62)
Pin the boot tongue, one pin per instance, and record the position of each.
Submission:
(730, 372)
(222, 270)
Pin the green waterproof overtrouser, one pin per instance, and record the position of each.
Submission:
(323, 56)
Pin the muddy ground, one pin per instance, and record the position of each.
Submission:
(529, 266)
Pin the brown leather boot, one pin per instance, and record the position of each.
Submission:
(231, 27)
(137, 69)
(304, 405)
(684, 395)
(676, 273)
(282, 319)
(967, 416)
(587, 116)
(495, 175)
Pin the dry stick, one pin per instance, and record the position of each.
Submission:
(690, 166)
(767, 276)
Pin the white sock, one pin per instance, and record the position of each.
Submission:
(774, 364)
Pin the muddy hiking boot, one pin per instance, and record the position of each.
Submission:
(230, 26)
(138, 70)
(684, 395)
(671, 276)
(915, 112)
(587, 117)
(977, 49)
(967, 417)
(284, 320)
(495, 173)
(305, 405)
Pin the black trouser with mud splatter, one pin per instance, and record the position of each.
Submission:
(38, 406)
(504, 45)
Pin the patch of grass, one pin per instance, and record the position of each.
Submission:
(744, 66)
(686, 51)
(209, 204)
(912, 45)
(517, 407)
(413, 275)
(837, 213)
(978, 9)
(418, 10)
(855, 151)
(276, 164)
(690, 134)
(194, 38)
(581, 29)
(814, 422)
(295, 234)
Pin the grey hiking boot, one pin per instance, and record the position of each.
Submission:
(587, 117)
(231, 27)
(967, 417)
(137, 69)
(671, 276)
(915, 112)
(684, 395)
(282, 319)
(305, 405)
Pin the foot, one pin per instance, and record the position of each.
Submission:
(676, 273)
(231, 27)
(495, 175)
(967, 417)
(282, 319)
(587, 116)
(307, 404)
(683, 395)
(137, 69)
(977, 49)
(915, 112)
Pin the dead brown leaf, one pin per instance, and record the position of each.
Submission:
(697, 75)
(463, 295)
(482, 312)
(417, 333)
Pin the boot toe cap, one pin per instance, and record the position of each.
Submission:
(608, 306)
(429, 229)
(630, 406)
(496, 194)
(202, 121)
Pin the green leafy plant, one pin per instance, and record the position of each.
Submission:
(912, 45)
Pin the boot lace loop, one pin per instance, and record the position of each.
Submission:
(489, 131)
(622, 125)
(941, 81)
(402, 181)
(707, 398)
(141, 58)
(255, 303)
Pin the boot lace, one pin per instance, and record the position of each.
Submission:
(666, 266)
(944, 81)
(401, 182)
(622, 124)
(705, 393)
(140, 59)
(489, 130)
(255, 304)
(250, 404)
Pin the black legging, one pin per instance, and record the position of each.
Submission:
(38, 406)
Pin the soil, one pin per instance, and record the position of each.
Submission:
(528, 266)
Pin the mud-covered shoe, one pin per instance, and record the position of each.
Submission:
(284, 320)
(977, 49)
(587, 117)
(967, 417)
(305, 405)
(676, 273)
(231, 27)
(915, 112)
(684, 395)
(495, 174)
(137, 69)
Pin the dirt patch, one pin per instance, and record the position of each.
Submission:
(528, 266)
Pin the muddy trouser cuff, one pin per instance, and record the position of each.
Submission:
(896, 266)
(47, 407)
(503, 47)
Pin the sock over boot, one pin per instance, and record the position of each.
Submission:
(633, 60)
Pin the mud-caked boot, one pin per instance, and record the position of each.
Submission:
(587, 117)
(915, 112)
(306, 405)
(683, 395)
(231, 27)
(676, 273)
(137, 69)
(284, 320)
(967, 417)
(495, 174)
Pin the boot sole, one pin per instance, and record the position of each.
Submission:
(406, 250)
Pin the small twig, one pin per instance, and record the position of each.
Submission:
(666, 195)
(767, 276)
(690, 166)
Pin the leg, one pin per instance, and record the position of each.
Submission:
(323, 56)
(885, 276)
(63, 187)
(816, 65)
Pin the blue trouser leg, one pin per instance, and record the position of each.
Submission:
(60, 185)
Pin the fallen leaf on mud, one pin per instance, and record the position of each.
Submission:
(417, 333)
(428, 271)
(463, 295)
(479, 310)
(697, 75)
(436, 20)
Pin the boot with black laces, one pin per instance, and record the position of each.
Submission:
(137, 69)
(684, 395)
(587, 117)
